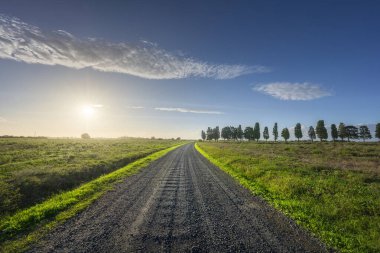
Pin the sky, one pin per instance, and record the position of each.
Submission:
(172, 68)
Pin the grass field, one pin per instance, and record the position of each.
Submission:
(333, 189)
(32, 170)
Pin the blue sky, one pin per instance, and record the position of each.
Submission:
(172, 68)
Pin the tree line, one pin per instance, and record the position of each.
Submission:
(342, 132)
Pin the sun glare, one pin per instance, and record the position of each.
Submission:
(88, 111)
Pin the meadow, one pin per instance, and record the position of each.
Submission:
(332, 189)
(34, 169)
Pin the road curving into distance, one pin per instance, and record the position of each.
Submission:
(180, 203)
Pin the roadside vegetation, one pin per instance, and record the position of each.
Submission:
(33, 169)
(331, 188)
(24, 227)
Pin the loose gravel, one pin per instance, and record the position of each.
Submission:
(180, 203)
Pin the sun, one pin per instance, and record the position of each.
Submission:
(88, 111)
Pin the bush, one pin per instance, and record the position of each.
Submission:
(85, 136)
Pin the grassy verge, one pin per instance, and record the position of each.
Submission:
(340, 206)
(18, 231)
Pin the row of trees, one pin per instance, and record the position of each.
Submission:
(320, 131)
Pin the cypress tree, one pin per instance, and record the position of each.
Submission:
(239, 132)
(248, 133)
(256, 132)
(216, 133)
(223, 133)
(377, 133)
(275, 132)
(342, 131)
(311, 133)
(266, 133)
(210, 134)
(203, 135)
(233, 133)
(298, 131)
(334, 132)
(321, 130)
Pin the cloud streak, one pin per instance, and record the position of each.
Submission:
(27, 43)
(184, 110)
(3, 120)
(135, 107)
(292, 91)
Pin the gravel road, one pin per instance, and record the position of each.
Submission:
(180, 203)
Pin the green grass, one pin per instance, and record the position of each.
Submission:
(18, 231)
(32, 169)
(333, 190)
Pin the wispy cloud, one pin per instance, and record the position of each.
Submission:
(292, 91)
(184, 110)
(97, 106)
(135, 107)
(3, 120)
(27, 43)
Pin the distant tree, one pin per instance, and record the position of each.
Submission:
(285, 134)
(239, 133)
(85, 136)
(178, 138)
(266, 133)
(226, 133)
(321, 130)
(352, 132)
(216, 133)
(203, 135)
(334, 132)
(248, 133)
(298, 131)
(275, 132)
(256, 131)
(342, 131)
(233, 132)
(311, 133)
(377, 133)
(209, 134)
(364, 133)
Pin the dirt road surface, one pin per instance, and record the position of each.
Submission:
(180, 203)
